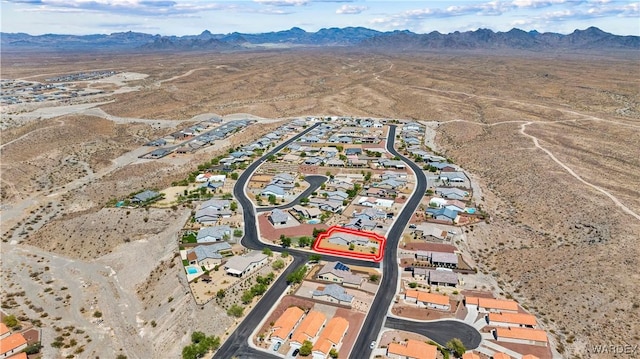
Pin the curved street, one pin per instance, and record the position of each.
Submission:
(387, 289)
(237, 343)
(439, 331)
(315, 181)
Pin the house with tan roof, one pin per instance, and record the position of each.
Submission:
(522, 320)
(12, 344)
(470, 355)
(338, 272)
(284, 325)
(411, 349)
(308, 329)
(330, 338)
(238, 266)
(521, 336)
(501, 356)
(491, 305)
(428, 300)
(4, 331)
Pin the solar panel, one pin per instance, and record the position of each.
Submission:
(340, 266)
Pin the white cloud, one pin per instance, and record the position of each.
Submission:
(282, 2)
(351, 9)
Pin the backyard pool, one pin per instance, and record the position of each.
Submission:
(192, 270)
(470, 210)
(313, 221)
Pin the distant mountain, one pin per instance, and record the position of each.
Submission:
(588, 39)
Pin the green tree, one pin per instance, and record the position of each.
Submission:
(374, 278)
(220, 294)
(314, 258)
(304, 241)
(413, 285)
(10, 321)
(272, 199)
(297, 275)
(267, 251)
(233, 206)
(197, 337)
(278, 264)
(237, 233)
(235, 311)
(284, 254)
(227, 196)
(304, 200)
(317, 231)
(285, 241)
(333, 353)
(247, 297)
(234, 176)
(351, 246)
(306, 348)
(456, 346)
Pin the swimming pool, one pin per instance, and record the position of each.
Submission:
(313, 221)
(470, 210)
(192, 270)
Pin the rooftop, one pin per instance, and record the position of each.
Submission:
(285, 323)
(334, 291)
(522, 333)
(413, 349)
(513, 318)
(309, 327)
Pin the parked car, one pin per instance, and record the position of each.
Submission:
(295, 352)
(277, 346)
(372, 345)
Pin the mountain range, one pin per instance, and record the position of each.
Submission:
(591, 38)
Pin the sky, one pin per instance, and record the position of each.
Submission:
(191, 17)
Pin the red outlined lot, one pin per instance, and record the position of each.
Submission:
(321, 245)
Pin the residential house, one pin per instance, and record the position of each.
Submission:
(312, 161)
(353, 151)
(4, 331)
(213, 234)
(278, 217)
(455, 205)
(490, 305)
(361, 224)
(330, 338)
(159, 153)
(470, 355)
(347, 239)
(451, 193)
(387, 163)
(458, 177)
(443, 214)
(444, 259)
(308, 329)
(239, 266)
(284, 325)
(145, 196)
(339, 273)
(442, 278)
(522, 320)
(443, 166)
(325, 205)
(521, 336)
(211, 215)
(335, 163)
(333, 293)
(428, 300)
(391, 183)
(376, 192)
(502, 356)
(218, 204)
(208, 256)
(307, 212)
(411, 349)
(12, 345)
(273, 190)
(371, 214)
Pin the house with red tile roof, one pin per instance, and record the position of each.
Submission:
(523, 320)
(308, 329)
(491, 305)
(12, 344)
(411, 349)
(4, 331)
(285, 324)
(501, 356)
(470, 355)
(429, 300)
(330, 338)
(521, 336)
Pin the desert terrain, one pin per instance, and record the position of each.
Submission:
(553, 141)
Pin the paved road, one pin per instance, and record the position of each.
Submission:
(315, 181)
(440, 332)
(380, 305)
(237, 343)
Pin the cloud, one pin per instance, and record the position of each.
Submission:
(126, 7)
(282, 2)
(351, 9)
